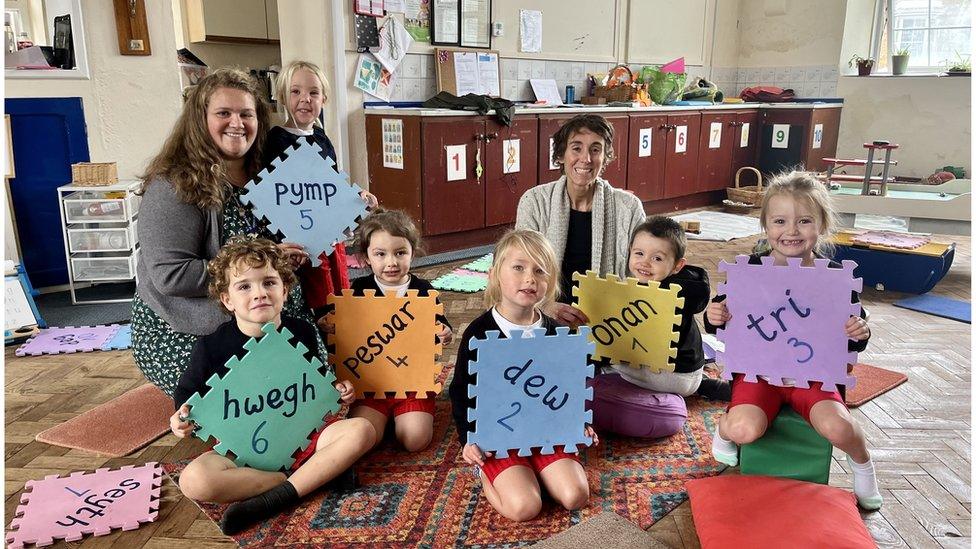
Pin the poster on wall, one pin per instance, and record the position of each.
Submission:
(373, 79)
(393, 143)
(417, 19)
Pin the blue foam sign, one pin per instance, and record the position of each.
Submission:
(530, 392)
(303, 197)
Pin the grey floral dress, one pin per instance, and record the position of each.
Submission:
(163, 354)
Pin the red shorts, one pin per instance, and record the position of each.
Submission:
(397, 406)
(537, 462)
(303, 456)
(771, 398)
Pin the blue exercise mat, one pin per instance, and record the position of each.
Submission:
(939, 306)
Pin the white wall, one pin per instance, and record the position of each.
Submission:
(130, 102)
(790, 32)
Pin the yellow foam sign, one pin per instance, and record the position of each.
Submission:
(631, 323)
(385, 344)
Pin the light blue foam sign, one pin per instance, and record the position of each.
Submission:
(269, 403)
(530, 392)
(303, 197)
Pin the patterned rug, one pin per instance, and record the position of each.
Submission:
(433, 499)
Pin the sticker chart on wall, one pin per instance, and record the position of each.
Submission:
(631, 323)
(70, 507)
(524, 383)
(788, 322)
(267, 405)
(392, 143)
(386, 344)
(304, 199)
(781, 136)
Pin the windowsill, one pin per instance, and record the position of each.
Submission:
(909, 75)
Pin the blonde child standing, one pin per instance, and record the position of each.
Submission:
(798, 216)
(387, 241)
(251, 279)
(522, 279)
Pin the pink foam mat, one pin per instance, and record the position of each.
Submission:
(69, 339)
(82, 503)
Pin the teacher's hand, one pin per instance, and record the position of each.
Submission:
(294, 253)
(567, 315)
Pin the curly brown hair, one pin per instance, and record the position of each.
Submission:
(593, 122)
(395, 222)
(253, 252)
(190, 159)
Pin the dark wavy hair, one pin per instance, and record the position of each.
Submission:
(593, 122)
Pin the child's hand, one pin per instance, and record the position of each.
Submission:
(178, 423)
(857, 329)
(474, 456)
(370, 199)
(295, 254)
(567, 315)
(588, 431)
(717, 313)
(445, 335)
(325, 324)
(347, 393)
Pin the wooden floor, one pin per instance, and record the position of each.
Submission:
(919, 434)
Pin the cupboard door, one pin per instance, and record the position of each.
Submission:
(744, 146)
(827, 123)
(453, 195)
(715, 151)
(396, 185)
(616, 170)
(646, 157)
(681, 169)
(510, 167)
(246, 19)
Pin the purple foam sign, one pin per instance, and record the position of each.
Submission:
(69, 339)
(788, 322)
(891, 239)
(86, 503)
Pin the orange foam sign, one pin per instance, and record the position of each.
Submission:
(386, 344)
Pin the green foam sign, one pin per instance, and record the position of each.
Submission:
(267, 405)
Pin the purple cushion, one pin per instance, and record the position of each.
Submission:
(625, 409)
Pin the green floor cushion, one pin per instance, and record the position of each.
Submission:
(790, 449)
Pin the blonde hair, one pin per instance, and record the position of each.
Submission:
(283, 84)
(253, 252)
(804, 187)
(190, 159)
(539, 250)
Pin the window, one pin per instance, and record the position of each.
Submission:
(933, 31)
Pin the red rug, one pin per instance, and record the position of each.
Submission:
(432, 498)
(117, 428)
(871, 382)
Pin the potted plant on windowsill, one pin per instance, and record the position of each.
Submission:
(899, 61)
(961, 67)
(864, 64)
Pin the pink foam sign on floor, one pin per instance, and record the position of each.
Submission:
(891, 239)
(86, 503)
(69, 339)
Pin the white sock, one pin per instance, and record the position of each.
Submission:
(865, 484)
(725, 451)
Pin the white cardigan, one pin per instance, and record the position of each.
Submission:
(616, 214)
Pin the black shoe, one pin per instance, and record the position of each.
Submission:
(715, 389)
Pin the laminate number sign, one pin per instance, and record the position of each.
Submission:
(781, 136)
(644, 143)
(681, 139)
(457, 162)
(715, 135)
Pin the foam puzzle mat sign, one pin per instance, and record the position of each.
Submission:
(788, 321)
(69, 339)
(267, 406)
(68, 508)
(302, 197)
(385, 344)
(632, 324)
(530, 392)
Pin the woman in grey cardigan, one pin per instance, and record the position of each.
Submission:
(190, 206)
(588, 222)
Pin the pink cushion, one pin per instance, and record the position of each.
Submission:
(623, 408)
(737, 511)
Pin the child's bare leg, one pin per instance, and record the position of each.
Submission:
(375, 418)
(214, 478)
(414, 430)
(515, 493)
(835, 423)
(566, 482)
(339, 446)
(744, 423)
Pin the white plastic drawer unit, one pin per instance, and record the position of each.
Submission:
(96, 207)
(103, 268)
(102, 239)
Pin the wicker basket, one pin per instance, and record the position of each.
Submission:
(615, 90)
(747, 195)
(94, 174)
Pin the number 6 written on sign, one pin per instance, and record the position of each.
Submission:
(255, 440)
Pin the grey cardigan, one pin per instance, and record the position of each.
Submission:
(616, 214)
(176, 240)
